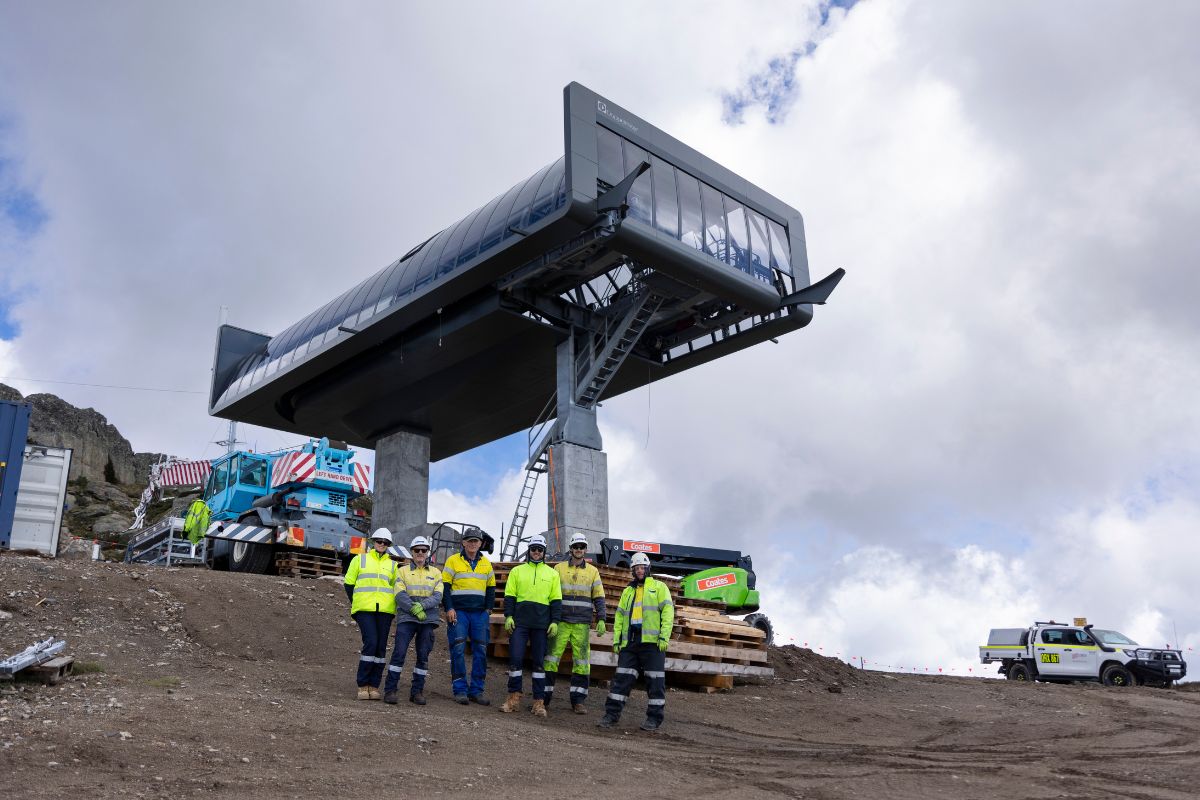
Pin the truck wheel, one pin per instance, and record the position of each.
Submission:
(1116, 675)
(249, 557)
(1019, 672)
(761, 622)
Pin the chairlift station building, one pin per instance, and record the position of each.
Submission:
(628, 258)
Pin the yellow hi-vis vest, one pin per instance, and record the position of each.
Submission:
(195, 524)
(373, 577)
(468, 585)
(581, 588)
(658, 613)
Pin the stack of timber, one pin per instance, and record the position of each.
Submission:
(708, 649)
(293, 564)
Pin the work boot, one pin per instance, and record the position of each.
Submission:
(539, 708)
(650, 724)
(578, 708)
(373, 693)
(364, 693)
(607, 721)
(417, 698)
(461, 699)
(513, 703)
(390, 697)
(479, 699)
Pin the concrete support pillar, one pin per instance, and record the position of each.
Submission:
(578, 500)
(402, 485)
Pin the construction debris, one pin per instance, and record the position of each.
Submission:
(35, 654)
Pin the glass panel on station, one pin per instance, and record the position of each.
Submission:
(548, 193)
(760, 251)
(640, 203)
(714, 224)
(666, 202)
(493, 232)
(739, 249)
(470, 244)
(449, 258)
(690, 212)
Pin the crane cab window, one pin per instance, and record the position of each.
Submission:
(252, 472)
(217, 480)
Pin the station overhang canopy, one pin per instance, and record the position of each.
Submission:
(457, 338)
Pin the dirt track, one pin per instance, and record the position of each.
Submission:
(235, 685)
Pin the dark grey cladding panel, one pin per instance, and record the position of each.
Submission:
(234, 347)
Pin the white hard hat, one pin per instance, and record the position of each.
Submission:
(382, 533)
(639, 560)
(537, 540)
(419, 541)
(578, 538)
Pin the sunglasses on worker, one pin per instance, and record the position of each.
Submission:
(420, 549)
(380, 541)
(538, 548)
(579, 547)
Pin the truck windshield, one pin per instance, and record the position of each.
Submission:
(1113, 637)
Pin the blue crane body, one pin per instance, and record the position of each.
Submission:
(300, 499)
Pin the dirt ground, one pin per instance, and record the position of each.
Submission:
(200, 683)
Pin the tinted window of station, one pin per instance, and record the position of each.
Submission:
(685, 208)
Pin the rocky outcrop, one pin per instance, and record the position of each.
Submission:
(100, 452)
(106, 475)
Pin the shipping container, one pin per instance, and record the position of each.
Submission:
(41, 499)
(14, 427)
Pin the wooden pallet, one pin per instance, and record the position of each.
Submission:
(615, 580)
(51, 672)
(685, 659)
(307, 565)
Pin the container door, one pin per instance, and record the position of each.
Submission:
(40, 499)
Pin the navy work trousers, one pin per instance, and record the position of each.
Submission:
(533, 640)
(405, 633)
(646, 658)
(374, 627)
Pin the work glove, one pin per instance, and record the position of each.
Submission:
(509, 624)
(418, 612)
(600, 628)
(552, 630)
(663, 644)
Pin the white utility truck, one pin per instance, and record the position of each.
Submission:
(1052, 651)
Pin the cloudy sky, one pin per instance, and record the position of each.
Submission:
(994, 419)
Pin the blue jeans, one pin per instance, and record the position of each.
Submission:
(374, 627)
(471, 625)
(405, 632)
(535, 640)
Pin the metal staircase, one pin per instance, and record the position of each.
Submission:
(597, 364)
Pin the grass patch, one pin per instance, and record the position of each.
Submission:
(87, 668)
(169, 682)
